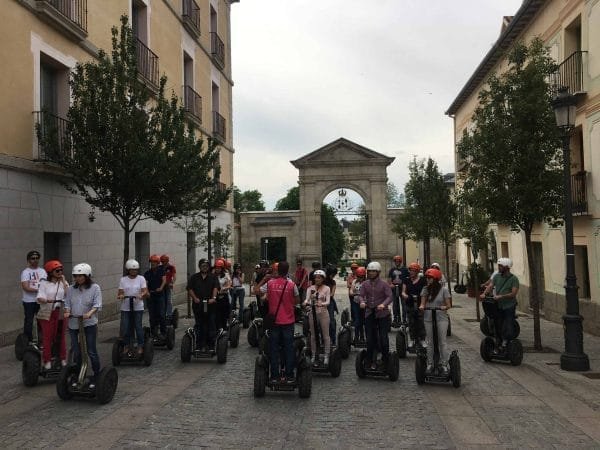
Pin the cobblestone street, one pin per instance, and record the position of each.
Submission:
(202, 403)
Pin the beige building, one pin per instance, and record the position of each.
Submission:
(41, 41)
(571, 30)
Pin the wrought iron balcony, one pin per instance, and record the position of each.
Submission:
(147, 64)
(191, 16)
(192, 103)
(217, 50)
(579, 204)
(219, 129)
(570, 74)
(51, 132)
(66, 15)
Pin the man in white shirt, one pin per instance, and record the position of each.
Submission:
(30, 283)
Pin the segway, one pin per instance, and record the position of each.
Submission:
(402, 333)
(334, 366)
(22, 341)
(437, 374)
(190, 348)
(396, 293)
(32, 368)
(132, 355)
(346, 335)
(303, 381)
(249, 314)
(233, 329)
(390, 370)
(159, 340)
(255, 332)
(73, 380)
(409, 329)
(490, 348)
(173, 318)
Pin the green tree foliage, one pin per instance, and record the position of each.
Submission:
(513, 161)
(126, 153)
(332, 236)
(290, 202)
(395, 198)
(246, 201)
(221, 239)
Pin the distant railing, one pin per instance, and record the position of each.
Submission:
(578, 193)
(74, 10)
(191, 14)
(192, 102)
(147, 62)
(570, 74)
(51, 133)
(218, 126)
(217, 49)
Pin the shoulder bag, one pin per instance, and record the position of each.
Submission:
(269, 320)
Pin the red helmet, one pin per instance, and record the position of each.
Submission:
(219, 263)
(154, 258)
(164, 259)
(354, 266)
(397, 258)
(414, 266)
(228, 265)
(53, 264)
(360, 272)
(434, 273)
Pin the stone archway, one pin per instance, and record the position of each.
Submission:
(343, 164)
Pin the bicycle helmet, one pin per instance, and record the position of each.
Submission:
(434, 273)
(164, 259)
(319, 273)
(82, 269)
(361, 272)
(52, 265)
(154, 258)
(374, 265)
(414, 266)
(506, 262)
(132, 264)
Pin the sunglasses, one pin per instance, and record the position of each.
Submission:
(35, 257)
(58, 270)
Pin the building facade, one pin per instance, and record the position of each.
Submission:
(571, 30)
(41, 42)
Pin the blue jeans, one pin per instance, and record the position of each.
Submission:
(126, 331)
(168, 300)
(398, 315)
(90, 338)
(30, 309)
(377, 336)
(359, 321)
(281, 342)
(237, 295)
(332, 309)
(205, 327)
(156, 310)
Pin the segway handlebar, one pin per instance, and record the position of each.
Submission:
(434, 308)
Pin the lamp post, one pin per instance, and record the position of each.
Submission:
(573, 358)
(266, 249)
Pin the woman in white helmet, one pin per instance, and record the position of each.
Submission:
(132, 285)
(319, 294)
(84, 299)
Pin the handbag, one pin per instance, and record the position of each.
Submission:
(269, 320)
(460, 288)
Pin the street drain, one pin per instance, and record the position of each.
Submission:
(592, 375)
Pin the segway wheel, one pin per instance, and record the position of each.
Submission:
(222, 350)
(21, 344)
(234, 335)
(253, 335)
(30, 371)
(147, 333)
(246, 317)
(449, 330)
(108, 379)
(359, 364)
(455, 374)
(148, 352)
(345, 317)
(335, 363)
(260, 378)
(186, 348)
(305, 325)
(170, 338)
(67, 375)
(175, 318)
(515, 352)
(116, 353)
(486, 348)
(517, 329)
(344, 343)
(484, 327)
(393, 366)
(420, 367)
(401, 344)
(304, 383)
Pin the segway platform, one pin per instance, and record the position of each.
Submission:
(189, 349)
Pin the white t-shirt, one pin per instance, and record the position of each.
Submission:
(132, 287)
(33, 276)
(52, 291)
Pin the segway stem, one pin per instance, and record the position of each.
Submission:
(83, 351)
(315, 324)
(131, 322)
(436, 349)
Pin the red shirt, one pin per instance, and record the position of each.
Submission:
(275, 287)
(301, 275)
(170, 272)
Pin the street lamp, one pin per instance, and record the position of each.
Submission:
(573, 358)
(266, 249)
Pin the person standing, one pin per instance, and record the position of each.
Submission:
(171, 275)
(31, 277)
(223, 301)
(330, 273)
(301, 278)
(411, 296)
(349, 281)
(203, 287)
(50, 297)
(132, 285)
(398, 273)
(238, 292)
(358, 314)
(156, 281)
(318, 297)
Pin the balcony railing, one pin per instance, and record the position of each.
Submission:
(52, 137)
(579, 204)
(570, 74)
(147, 63)
(192, 103)
(66, 15)
(191, 16)
(218, 126)
(217, 50)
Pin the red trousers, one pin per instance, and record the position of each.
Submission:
(50, 329)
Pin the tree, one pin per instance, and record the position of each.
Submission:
(290, 202)
(125, 153)
(513, 157)
(221, 239)
(246, 201)
(395, 199)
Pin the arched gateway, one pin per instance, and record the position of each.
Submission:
(340, 164)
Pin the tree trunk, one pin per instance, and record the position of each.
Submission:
(426, 253)
(126, 232)
(447, 262)
(534, 292)
(476, 282)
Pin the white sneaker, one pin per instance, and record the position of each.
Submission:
(47, 365)
(312, 359)
(429, 368)
(63, 362)
(424, 344)
(326, 360)
(411, 343)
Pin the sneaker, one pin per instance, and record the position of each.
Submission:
(411, 343)
(423, 343)
(92, 386)
(326, 360)
(445, 370)
(291, 380)
(274, 380)
(47, 365)
(63, 363)
(429, 368)
(312, 360)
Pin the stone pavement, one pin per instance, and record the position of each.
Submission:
(204, 404)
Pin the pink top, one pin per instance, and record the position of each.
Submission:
(275, 286)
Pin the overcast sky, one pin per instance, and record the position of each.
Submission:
(380, 73)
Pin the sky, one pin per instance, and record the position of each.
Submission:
(380, 73)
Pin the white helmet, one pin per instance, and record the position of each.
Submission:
(132, 264)
(506, 262)
(436, 265)
(374, 266)
(82, 269)
(319, 273)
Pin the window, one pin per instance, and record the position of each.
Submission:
(142, 248)
(58, 246)
(504, 249)
(582, 271)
